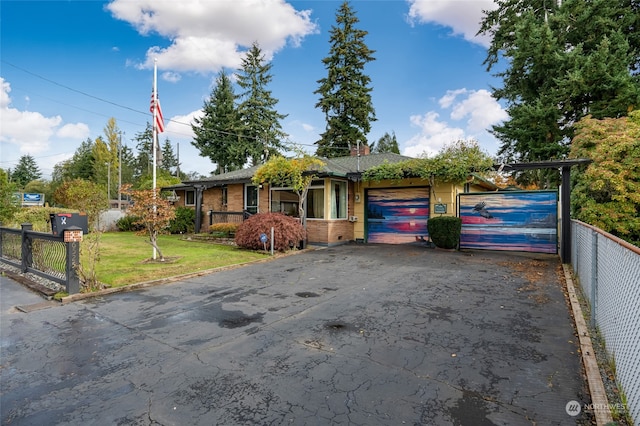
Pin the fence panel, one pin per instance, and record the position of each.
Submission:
(45, 255)
(608, 270)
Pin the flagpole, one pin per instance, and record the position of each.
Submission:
(155, 134)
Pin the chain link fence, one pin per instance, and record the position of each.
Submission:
(608, 270)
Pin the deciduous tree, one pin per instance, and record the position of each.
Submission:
(90, 198)
(151, 211)
(294, 173)
(8, 205)
(606, 193)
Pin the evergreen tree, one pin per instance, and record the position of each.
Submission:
(169, 160)
(260, 121)
(387, 143)
(25, 171)
(143, 161)
(80, 166)
(345, 95)
(218, 132)
(566, 60)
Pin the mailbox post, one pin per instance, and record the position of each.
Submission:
(72, 239)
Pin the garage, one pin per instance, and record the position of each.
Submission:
(397, 215)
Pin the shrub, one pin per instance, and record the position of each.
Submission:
(445, 231)
(39, 217)
(129, 223)
(224, 229)
(287, 232)
(184, 222)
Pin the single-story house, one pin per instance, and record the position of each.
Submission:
(340, 206)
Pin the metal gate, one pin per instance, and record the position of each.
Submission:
(511, 221)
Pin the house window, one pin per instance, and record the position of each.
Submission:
(338, 199)
(189, 198)
(251, 199)
(285, 200)
(224, 193)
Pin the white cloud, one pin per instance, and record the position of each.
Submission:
(481, 109)
(78, 131)
(209, 35)
(434, 134)
(462, 16)
(180, 125)
(29, 131)
(478, 108)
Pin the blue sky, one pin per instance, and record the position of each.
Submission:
(68, 66)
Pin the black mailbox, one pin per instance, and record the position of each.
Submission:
(62, 221)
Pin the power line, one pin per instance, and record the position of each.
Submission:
(74, 90)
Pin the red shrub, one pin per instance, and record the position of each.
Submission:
(287, 231)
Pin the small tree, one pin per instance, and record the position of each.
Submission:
(294, 173)
(153, 212)
(90, 198)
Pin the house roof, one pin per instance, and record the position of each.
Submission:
(338, 166)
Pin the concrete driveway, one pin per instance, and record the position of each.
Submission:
(350, 335)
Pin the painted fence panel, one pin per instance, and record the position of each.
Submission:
(513, 221)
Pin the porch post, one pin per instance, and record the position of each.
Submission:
(565, 242)
(199, 190)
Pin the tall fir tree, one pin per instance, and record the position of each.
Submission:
(345, 94)
(25, 171)
(262, 130)
(219, 131)
(566, 60)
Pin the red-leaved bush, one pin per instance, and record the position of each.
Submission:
(287, 231)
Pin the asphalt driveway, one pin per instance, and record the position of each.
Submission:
(352, 335)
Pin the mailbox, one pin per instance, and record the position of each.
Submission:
(62, 221)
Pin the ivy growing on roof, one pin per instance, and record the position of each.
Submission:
(453, 164)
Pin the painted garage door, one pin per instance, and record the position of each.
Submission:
(397, 215)
(516, 221)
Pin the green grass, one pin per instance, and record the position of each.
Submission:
(125, 258)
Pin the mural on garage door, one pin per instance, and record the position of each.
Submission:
(515, 221)
(397, 215)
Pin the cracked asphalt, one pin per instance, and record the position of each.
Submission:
(348, 335)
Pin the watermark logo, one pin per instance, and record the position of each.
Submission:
(573, 408)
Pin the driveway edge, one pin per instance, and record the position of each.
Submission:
(599, 399)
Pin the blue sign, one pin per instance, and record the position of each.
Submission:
(31, 199)
(263, 238)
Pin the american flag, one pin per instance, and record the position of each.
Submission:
(159, 119)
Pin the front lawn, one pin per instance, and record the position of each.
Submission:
(125, 258)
